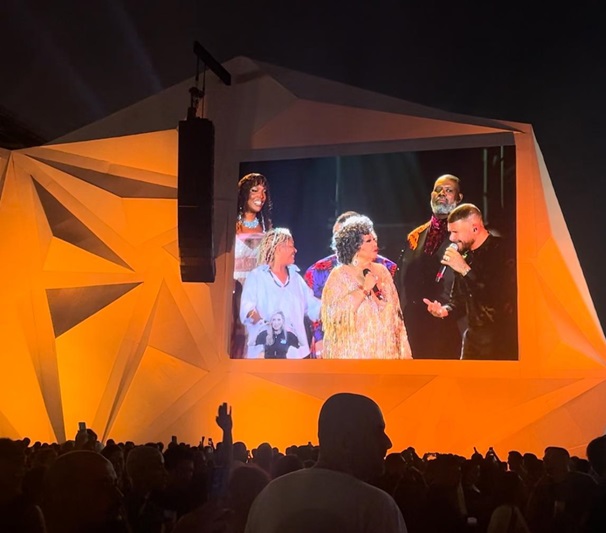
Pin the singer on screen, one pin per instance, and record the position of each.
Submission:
(317, 274)
(361, 313)
(484, 287)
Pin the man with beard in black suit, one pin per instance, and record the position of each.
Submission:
(417, 278)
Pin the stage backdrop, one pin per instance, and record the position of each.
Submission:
(95, 324)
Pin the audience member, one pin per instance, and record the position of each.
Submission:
(446, 508)
(395, 466)
(579, 464)
(17, 514)
(439, 493)
(33, 481)
(595, 521)
(244, 486)
(410, 493)
(476, 499)
(145, 469)
(333, 495)
(515, 463)
(240, 455)
(177, 496)
(81, 494)
(223, 511)
(533, 466)
(263, 457)
(507, 515)
(229, 514)
(114, 454)
(560, 501)
(285, 464)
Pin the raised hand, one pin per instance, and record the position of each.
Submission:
(223, 419)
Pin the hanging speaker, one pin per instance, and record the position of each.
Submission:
(195, 192)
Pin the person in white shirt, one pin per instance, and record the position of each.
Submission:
(276, 286)
(334, 496)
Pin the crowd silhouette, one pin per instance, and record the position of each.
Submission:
(84, 486)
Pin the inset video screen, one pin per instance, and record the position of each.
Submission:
(407, 255)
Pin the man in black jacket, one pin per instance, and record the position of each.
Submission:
(484, 288)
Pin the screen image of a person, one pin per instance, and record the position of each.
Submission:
(253, 220)
(484, 287)
(277, 340)
(317, 274)
(416, 277)
(361, 313)
(277, 284)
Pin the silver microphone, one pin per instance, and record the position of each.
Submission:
(441, 272)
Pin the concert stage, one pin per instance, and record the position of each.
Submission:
(98, 326)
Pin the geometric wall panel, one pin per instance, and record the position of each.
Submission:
(118, 185)
(87, 355)
(388, 390)
(532, 401)
(70, 306)
(294, 414)
(152, 393)
(92, 287)
(7, 429)
(585, 419)
(170, 333)
(66, 226)
(67, 265)
(561, 424)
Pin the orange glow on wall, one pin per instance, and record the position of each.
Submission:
(97, 326)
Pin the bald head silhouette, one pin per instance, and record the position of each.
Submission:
(351, 431)
(328, 497)
(81, 493)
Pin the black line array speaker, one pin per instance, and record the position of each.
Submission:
(195, 192)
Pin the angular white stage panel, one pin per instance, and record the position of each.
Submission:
(97, 326)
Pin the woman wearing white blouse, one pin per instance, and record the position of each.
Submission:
(276, 285)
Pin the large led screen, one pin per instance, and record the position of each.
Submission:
(293, 213)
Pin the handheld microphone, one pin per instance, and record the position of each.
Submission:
(375, 289)
(441, 272)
